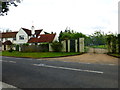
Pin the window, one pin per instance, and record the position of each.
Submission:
(21, 37)
(14, 38)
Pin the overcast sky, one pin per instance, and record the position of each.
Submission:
(84, 16)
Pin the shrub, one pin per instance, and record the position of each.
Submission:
(10, 50)
(44, 47)
(17, 47)
(26, 44)
(56, 46)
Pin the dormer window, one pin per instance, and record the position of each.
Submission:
(21, 37)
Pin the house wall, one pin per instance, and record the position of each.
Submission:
(2, 47)
(5, 39)
(50, 48)
(55, 38)
(26, 37)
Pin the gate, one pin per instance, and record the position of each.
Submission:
(72, 45)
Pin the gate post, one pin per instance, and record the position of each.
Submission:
(76, 45)
(68, 45)
(64, 46)
(81, 44)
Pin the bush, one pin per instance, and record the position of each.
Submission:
(56, 46)
(44, 47)
(26, 44)
(10, 50)
(17, 47)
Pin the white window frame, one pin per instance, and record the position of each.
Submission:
(21, 37)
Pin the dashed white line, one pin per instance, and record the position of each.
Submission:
(12, 61)
(8, 61)
(66, 68)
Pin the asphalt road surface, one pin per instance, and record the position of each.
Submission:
(33, 73)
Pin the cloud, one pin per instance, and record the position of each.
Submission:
(55, 15)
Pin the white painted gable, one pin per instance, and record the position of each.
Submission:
(23, 34)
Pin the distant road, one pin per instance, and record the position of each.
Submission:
(34, 73)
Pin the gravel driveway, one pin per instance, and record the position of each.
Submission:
(99, 57)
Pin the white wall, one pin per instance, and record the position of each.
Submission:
(6, 39)
(21, 32)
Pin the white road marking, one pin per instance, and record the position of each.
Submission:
(12, 61)
(66, 68)
(18, 58)
(8, 61)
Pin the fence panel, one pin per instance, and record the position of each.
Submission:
(35, 48)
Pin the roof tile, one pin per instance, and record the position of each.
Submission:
(43, 38)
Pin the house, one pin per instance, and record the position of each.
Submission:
(7, 39)
(25, 36)
(8, 36)
(20, 37)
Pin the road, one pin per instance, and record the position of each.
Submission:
(33, 73)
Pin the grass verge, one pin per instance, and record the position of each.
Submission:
(100, 46)
(38, 54)
(114, 55)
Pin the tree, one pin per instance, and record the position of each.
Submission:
(4, 5)
(70, 34)
(98, 38)
(112, 41)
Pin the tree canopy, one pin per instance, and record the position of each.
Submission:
(4, 5)
(70, 34)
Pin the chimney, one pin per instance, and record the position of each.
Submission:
(33, 30)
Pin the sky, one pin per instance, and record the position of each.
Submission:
(84, 16)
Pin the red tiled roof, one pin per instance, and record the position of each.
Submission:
(43, 38)
(33, 40)
(8, 35)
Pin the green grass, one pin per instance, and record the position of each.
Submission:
(117, 55)
(37, 54)
(86, 48)
(100, 46)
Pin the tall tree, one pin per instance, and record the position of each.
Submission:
(70, 34)
(4, 5)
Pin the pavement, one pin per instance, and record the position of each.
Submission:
(37, 73)
(5, 85)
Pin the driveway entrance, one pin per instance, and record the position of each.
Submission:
(89, 57)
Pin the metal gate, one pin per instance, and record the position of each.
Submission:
(72, 45)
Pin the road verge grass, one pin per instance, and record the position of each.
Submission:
(38, 54)
(114, 55)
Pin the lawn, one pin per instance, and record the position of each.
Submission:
(37, 54)
(100, 46)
